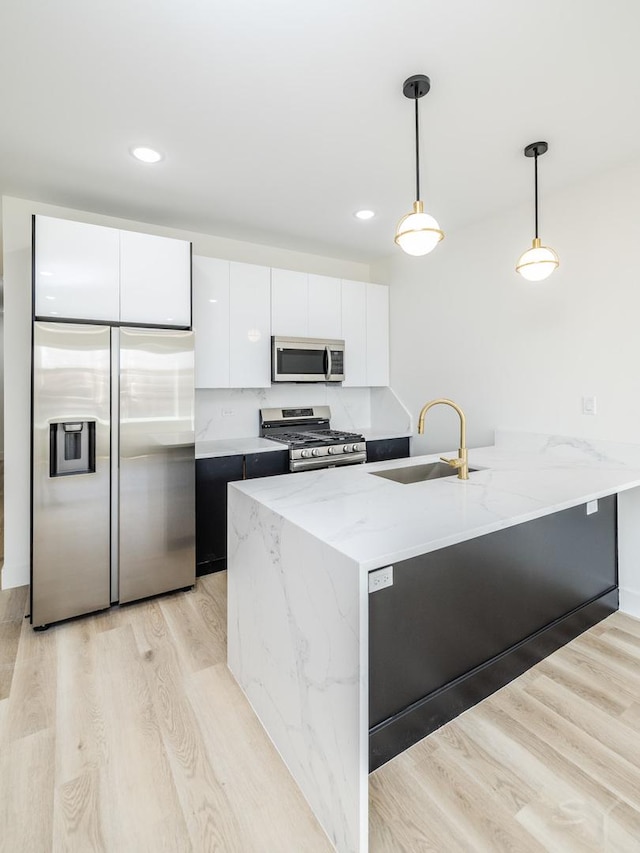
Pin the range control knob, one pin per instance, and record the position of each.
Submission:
(333, 450)
(315, 452)
(348, 448)
(306, 454)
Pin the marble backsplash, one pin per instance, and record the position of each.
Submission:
(234, 412)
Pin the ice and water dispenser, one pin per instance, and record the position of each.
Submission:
(72, 448)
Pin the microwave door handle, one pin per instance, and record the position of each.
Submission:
(327, 352)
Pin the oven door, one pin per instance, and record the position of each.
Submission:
(306, 360)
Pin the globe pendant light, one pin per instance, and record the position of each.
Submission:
(538, 262)
(417, 232)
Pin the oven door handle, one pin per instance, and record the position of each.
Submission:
(327, 361)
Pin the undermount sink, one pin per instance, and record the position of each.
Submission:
(418, 473)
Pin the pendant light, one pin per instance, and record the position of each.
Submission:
(538, 262)
(417, 232)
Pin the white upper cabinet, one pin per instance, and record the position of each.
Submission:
(354, 332)
(365, 329)
(305, 305)
(94, 273)
(211, 322)
(324, 307)
(377, 334)
(76, 270)
(289, 303)
(232, 324)
(155, 280)
(249, 326)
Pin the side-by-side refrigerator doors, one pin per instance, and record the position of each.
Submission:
(157, 469)
(71, 471)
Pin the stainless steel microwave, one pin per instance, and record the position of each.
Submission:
(306, 360)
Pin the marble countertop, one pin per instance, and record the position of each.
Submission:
(236, 446)
(254, 444)
(376, 521)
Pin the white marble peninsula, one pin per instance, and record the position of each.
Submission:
(300, 550)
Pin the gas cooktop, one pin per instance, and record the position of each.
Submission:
(312, 444)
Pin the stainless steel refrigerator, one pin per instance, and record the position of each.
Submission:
(113, 467)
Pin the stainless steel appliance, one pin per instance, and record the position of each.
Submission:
(113, 467)
(306, 360)
(311, 442)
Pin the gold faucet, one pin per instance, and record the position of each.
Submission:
(461, 462)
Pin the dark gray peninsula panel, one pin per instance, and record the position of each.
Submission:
(461, 622)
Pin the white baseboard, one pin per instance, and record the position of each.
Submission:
(630, 602)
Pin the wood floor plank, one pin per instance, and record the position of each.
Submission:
(632, 717)
(610, 732)
(574, 826)
(269, 808)
(13, 603)
(483, 818)
(619, 660)
(26, 792)
(80, 719)
(78, 816)
(624, 640)
(513, 791)
(199, 649)
(534, 758)
(210, 820)
(9, 639)
(210, 600)
(595, 669)
(609, 770)
(404, 818)
(6, 677)
(136, 783)
(623, 621)
(33, 686)
(584, 685)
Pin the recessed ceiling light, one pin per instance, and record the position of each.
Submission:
(364, 214)
(146, 155)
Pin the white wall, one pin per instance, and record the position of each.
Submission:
(16, 218)
(518, 354)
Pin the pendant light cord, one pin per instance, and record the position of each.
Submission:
(417, 149)
(536, 190)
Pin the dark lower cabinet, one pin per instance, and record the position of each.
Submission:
(266, 464)
(212, 477)
(387, 448)
(461, 622)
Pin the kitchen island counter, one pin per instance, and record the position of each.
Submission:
(301, 547)
(375, 521)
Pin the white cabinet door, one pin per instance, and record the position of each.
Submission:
(249, 326)
(354, 332)
(76, 270)
(155, 280)
(289, 303)
(211, 321)
(377, 334)
(325, 307)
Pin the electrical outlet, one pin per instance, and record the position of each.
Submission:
(380, 578)
(592, 506)
(227, 413)
(589, 405)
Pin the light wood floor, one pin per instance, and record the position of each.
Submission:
(125, 732)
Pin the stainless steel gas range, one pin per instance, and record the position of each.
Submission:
(311, 441)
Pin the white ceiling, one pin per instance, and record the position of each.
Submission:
(279, 118)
